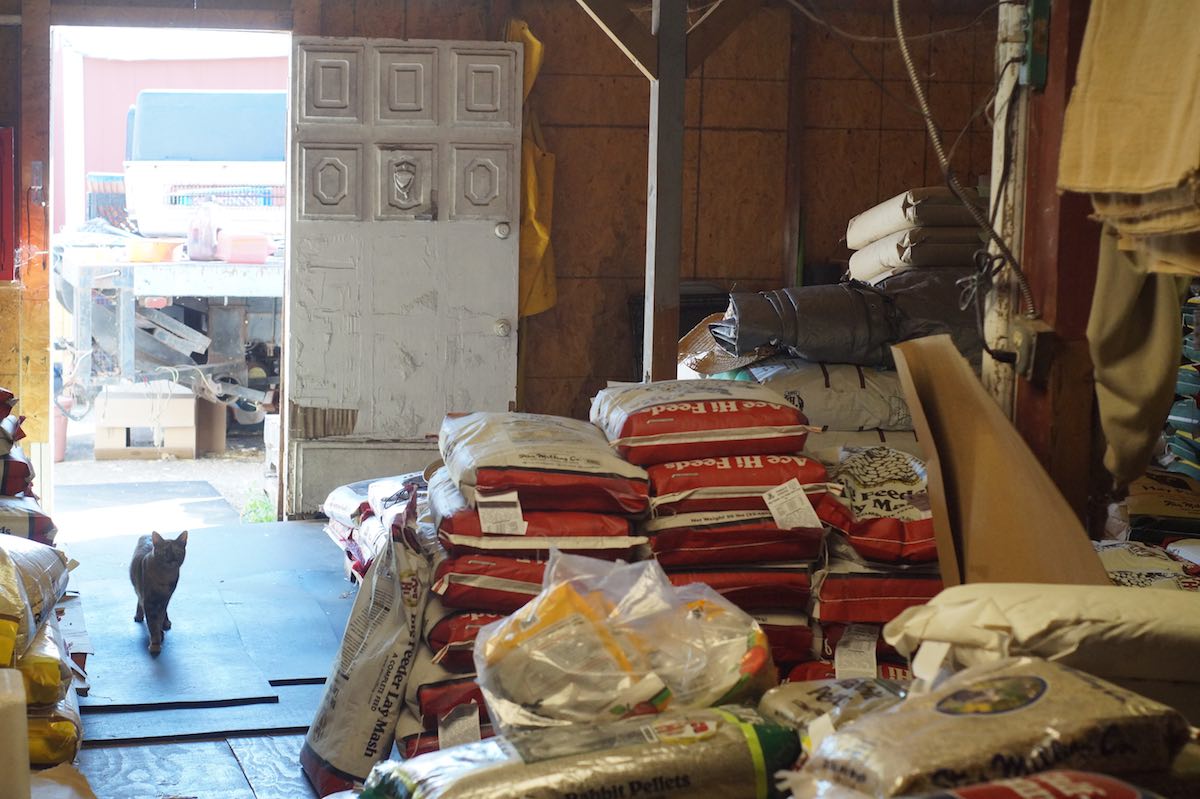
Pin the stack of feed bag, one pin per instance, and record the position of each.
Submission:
(1138, 565)
(33, 578)
(513, 487)
(357, 516)
(20, 512)
(926, 227)
(854, 406)
(877, 567)
(713, 450)
(1183, 423)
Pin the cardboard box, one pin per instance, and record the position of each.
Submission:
(73, 625)
(1163, 505)
(997, 515)
(190, 425)
(156, 403)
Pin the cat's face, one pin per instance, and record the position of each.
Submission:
(170, 551)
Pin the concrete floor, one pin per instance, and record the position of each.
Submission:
(238, 474)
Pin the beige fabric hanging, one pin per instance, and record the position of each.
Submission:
(1133, 122)
(1135, 342)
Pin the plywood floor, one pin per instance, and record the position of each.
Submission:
(262, 767)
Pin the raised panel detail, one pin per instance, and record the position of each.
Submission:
(331, 181)
(407, 177)
(407, 81)
(483, 183)
(330, 90)
(485, 90)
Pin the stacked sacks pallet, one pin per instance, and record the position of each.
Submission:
(853, 405)
(355, 517)
(21, 513)
(874, 569)
(33, 578)
(713, 450)
(925, 227)
(1183, 423)
(514, 486)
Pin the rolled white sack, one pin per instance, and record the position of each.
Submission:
(1143, 639)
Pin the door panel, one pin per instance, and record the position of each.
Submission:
(402, 293)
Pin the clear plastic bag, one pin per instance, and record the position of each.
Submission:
(604, 640)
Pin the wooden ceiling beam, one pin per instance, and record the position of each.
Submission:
(712, 29)
(627, 32)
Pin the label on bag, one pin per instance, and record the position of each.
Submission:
(500, 514)
(790, 506)
(855, 655)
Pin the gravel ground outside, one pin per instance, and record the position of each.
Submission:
(239, 474)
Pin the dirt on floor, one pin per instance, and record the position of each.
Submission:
(239, 474)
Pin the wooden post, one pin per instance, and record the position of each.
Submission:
(1061, 247)
(664, 207)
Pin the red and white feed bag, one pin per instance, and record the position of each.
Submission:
(679, 420)
(553, 463)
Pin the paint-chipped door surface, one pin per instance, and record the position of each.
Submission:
(402, 290)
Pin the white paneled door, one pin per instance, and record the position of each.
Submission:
(402, 286)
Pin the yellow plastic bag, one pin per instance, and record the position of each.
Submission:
(537, 290)
(606, 640)
(45, 666)
(33, 578)
(560, 651)
(55, 732)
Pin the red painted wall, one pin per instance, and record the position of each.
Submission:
(110, 87)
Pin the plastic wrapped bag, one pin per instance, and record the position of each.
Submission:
(838, 396)
(461, 532)
(55, 732)
(23, 517)
(450, 635)
(787, 587)
(45, 666)
(726, 483)
(604, 641)
(800, 705)
(33, 577)
(355, 723)
(679, 420)
(551, 462)
(888, 491)
(1017, 716)
(1047, 785)
(700, 754)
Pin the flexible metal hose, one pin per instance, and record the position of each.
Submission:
(951, 180)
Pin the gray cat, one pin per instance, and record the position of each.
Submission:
(154, 571)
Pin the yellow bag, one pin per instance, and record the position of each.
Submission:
(537, 288)
(33, 578)
(45, 666)
(55, 732)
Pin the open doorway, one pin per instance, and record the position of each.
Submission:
(168, 190)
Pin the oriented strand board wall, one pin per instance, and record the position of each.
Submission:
(861, 145)
(594, 110)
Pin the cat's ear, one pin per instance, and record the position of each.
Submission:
(182, 538)
(158, 539)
